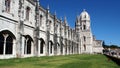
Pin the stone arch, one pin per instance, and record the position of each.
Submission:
(41, 17)
(84, 46)
(7, 39)
(7, 5)
(50, 47)
(84, 38)
(42, 46)
(77, 48)
(62, 47)
(58, 48)
(28, 44)
(84, 27)
(72, 47)
(28, 9)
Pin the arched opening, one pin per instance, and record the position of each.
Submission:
(42, 43)
(9, 45)
(84, 47)
(84, 27)
(51, 47)
(27, 13)
(84, 38)
(41, 17)
(28, 45)
(72, 49)
(7, 5)
(58, 48)
(1, 43)
(50, 24)
(66, 46)
(6, 42)
(77, 48)
(61, 47)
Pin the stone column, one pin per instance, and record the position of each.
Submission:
(4, 46)
(36, 31)
(47, 32)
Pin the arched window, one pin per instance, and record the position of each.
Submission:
(58, 48)
(6, 42)
(27, 13)
(7, 5)
(84, 16)
(84, 27)
(84, 47)
(28, 45)
(9, 43)
(1, 43)
(51, 47)
(41, 47)
(57, 28)
(42, 43)
(84, 38)
(50, 24)
(41, 20)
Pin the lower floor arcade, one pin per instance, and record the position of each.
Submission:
(9, 47)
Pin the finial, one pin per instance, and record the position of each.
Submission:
(36, 0)
(84, 9)
(61, 18)
(37, 5)
(48, 7)
(77, 16)
(39, 2)
(65, 18)
(77, 19)
(55, 13)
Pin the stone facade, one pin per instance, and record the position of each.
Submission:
(27, 29)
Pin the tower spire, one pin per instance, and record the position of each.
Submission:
(48, 8)
(65, 21)
(77, 18)
(37, 5)
(84, 9)
(55, 13)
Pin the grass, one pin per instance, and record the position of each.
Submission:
(69, 61)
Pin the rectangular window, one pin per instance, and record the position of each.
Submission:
(7, 5)
(27, 13)
(84, 27)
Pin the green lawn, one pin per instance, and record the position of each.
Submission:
(69, 61)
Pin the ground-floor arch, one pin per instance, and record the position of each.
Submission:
(51, 47)
(7, 39)
(28, 44)
(84, 46)
(42, 46)
(58, 49)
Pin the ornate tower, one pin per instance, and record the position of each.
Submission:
(85, 21)
(77, 30)
(85, 33)
(77, 25)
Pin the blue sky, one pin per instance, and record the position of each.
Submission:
(105, 16)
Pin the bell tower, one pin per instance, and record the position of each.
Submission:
(85, 32)
(85, 21)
